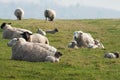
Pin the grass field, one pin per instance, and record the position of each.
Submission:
(75, 64)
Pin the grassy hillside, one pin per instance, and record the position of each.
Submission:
(75, 64)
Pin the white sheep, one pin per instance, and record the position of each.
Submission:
(19, 13)
(10, 32)
(86, 40)
(52, 31)
(54, 58)
(112, 55)
(35, 38)
(28, 51)
(49, 14)
(40, 31)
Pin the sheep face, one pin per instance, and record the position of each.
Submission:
(26, 35)
(12, 42)
(58, 54)
(77, 34)
(116, 54)
(98, 43)
(4, 25)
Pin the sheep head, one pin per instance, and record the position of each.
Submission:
(26, 36)
(58, 54)
(5, 24)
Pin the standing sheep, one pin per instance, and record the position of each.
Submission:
(49, 14)
(10, 32)
(19, 13)
(35, 38)
(27, 51)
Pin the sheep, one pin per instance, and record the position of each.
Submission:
(49, 14)
(40, 31)
(86, 40)
(28, 51)
(73, 44)
(10, 32)
(52, 31)
(112, 55)
(35, 38)
(19, 13)
(54, 58)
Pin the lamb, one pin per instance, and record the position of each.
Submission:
(73, 44)
(35, 38)
(19, 13)
(52, 31)
(54, 58)
(49, 14)
(28, 51)
(112, 55)
(86, 40)
(10, 32)
(40, 31)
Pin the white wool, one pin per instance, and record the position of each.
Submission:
(38, 38)
(22, 50)
(10, 32)
(86, 40)
(50, 14)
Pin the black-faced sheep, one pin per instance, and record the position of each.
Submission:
(10, 32)
(35, 38)
(19, 13)
(112, 55)
(86, 40)
(27, 51)
(49, 14)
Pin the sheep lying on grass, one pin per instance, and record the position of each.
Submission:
(49, 14)
(86, 40)
(72, 44)
(54, 58)
(27, 51)
(19, 13)
(10, 32)
(40, 31)
(52, 31)
(112, 55)
(35, 38)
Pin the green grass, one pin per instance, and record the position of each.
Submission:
(75, 64)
